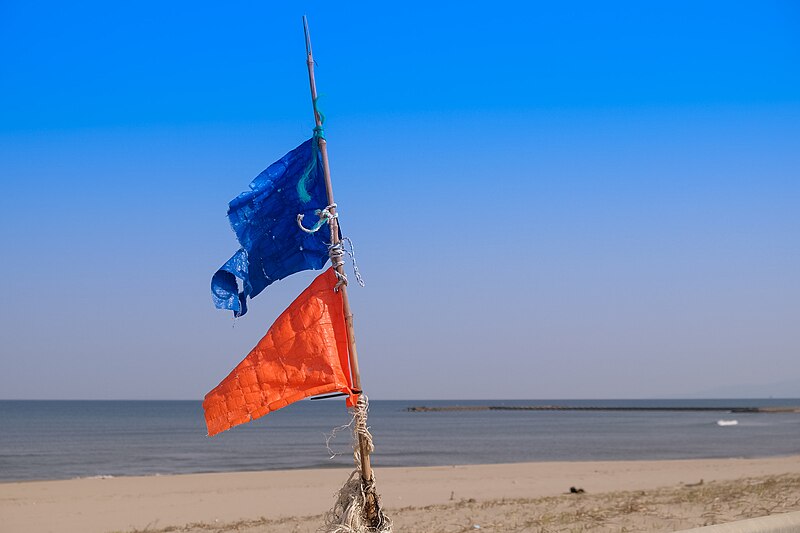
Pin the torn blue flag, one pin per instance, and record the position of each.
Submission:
(265, 222)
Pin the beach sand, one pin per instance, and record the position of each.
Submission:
(529, 497)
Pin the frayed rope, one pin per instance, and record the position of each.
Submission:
(348, 514)
(335, 251)
(352, 253)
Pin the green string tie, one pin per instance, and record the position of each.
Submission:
(319, 133)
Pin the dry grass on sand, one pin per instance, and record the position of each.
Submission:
(664, 509)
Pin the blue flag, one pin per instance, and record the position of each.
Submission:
(265, 221)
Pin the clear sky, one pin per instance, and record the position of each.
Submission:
(548, 200)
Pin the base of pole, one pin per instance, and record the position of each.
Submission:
(357, 509)
(373, 514)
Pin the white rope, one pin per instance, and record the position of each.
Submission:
(330, 437)
(325, 215)
(361, 430)
(348, 512)
(352, 253)
(336, 253)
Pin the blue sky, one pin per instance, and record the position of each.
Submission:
(547, 201)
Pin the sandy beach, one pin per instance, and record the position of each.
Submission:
(637, 495)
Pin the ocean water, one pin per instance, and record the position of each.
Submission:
(70, 439)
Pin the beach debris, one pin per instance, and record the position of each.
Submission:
(724, 423)
(357, 507)
(574, 490)
(695, 484)
(310, 350)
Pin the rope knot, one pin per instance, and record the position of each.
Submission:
(336, 253)
(325, 215)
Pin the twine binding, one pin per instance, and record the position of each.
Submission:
(349, 511)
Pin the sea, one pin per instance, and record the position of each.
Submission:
(82, 439)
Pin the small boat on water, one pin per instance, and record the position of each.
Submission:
(727, 422)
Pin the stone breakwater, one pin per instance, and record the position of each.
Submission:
(448, 408)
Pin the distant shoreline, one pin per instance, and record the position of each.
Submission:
(73, 440)
(333, 468)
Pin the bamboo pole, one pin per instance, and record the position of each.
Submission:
(373, 511)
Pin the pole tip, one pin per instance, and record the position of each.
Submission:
(308, 37)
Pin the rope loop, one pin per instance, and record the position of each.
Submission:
(325, 215)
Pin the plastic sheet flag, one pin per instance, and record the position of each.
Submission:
(303, 354)
(265, 222)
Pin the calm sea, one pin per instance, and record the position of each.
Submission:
(69, 439)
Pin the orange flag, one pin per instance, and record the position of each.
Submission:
(303, 354)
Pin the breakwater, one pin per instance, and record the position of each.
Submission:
(721, 409)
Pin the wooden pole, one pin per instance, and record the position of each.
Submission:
(366, 468)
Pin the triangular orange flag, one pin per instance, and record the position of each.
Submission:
(303, 354)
